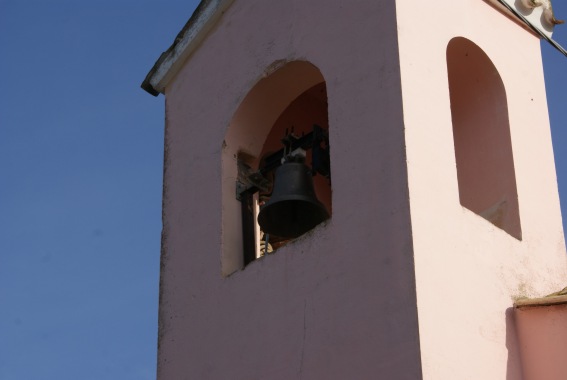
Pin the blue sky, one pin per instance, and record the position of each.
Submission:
(81, 148)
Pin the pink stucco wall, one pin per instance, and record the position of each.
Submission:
(339, 303)
(468, 271)
(403, 282)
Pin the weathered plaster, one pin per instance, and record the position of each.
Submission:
(467, 270)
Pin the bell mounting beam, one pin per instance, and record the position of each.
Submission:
(317, 140)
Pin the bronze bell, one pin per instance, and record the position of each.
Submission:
(293, 209)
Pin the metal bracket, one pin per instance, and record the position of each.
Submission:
(249, 181)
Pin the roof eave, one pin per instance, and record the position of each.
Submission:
(206, 15)
(530, 20)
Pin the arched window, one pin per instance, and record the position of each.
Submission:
(481, 133)
(289, 103)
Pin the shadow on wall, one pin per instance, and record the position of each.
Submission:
(481, 134)
(514, 367)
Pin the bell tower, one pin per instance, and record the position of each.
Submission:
(418, 134)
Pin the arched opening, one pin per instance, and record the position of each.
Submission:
(289, 103)
(481, 134)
